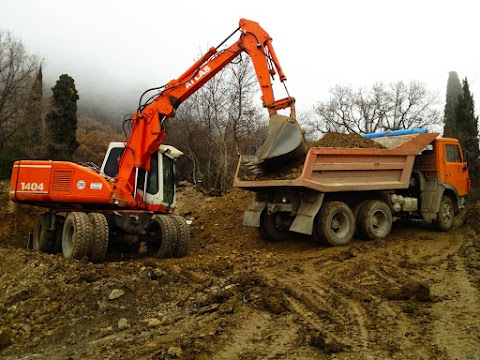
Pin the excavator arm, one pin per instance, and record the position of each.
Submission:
(147, 131)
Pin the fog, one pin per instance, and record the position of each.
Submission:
(116, 49)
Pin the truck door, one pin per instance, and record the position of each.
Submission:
(455, 171)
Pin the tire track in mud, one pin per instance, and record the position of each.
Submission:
(321, 305)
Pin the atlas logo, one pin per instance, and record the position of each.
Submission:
(201, 73)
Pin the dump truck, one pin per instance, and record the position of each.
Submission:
(346, 192)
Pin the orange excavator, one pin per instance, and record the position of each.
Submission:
(130, 199)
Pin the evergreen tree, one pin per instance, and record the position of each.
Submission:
(454, 90)
(61, 122)
(467, 131)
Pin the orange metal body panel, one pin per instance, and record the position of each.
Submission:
(38, 182)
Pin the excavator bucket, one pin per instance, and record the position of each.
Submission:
(285, 143)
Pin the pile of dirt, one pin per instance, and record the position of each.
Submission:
(414, 295)
(351, 140)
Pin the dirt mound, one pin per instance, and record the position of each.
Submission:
(347, 141)
(415, 295)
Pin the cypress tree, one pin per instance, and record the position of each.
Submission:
(467, 131)
(454, 90)
(61, 122)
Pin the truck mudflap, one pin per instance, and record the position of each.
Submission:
(251, 217)
(305, 218)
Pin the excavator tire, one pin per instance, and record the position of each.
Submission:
(183, 236)
(374, 220)
(99, 242)
(335, 223)
(163, 237)
(57, 245)
(43, 239)
(445, 215)
(76, 236)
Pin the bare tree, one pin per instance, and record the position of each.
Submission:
(17, 73)
(380, 108)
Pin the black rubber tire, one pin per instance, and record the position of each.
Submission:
(445, 215)
(76, 236)
(99, 238)
(335, 223)
(374, 220)
(163, 238)
(269, 230)
(57, 245)
(356, 210)
(183, 236)
(43, 239)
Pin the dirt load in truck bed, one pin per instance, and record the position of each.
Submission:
(413, 296)
(294, 170)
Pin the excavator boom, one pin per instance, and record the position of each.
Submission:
(285, 138)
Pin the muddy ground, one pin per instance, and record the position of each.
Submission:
(413, 296)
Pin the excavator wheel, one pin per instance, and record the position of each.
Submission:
(183, 236)
(43, 238)
(99, 242)
(163, 233)
(335, 223)
(76, 236)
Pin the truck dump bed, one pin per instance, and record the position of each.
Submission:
(332, 169)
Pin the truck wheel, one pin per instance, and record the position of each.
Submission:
(43, 239)
(374, 220)
(183, 236)
(99, 241)
(163, 233)
(76, 236)
(272, 227)
(445, 214)
(335, 223)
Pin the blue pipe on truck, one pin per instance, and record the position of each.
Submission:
(394, 133)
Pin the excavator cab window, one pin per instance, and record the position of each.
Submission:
(168, 180)
(152, 181)
(111, 166)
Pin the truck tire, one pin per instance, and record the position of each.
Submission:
(163, 237)
(445, 214)
(183, 236)
(335, 223)
(43, 239)
(99, 238)
(374, 220)
(76, 236)
(270, 228)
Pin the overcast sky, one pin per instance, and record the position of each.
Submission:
(123, 46)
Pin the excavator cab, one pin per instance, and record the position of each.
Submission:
(157, 187)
